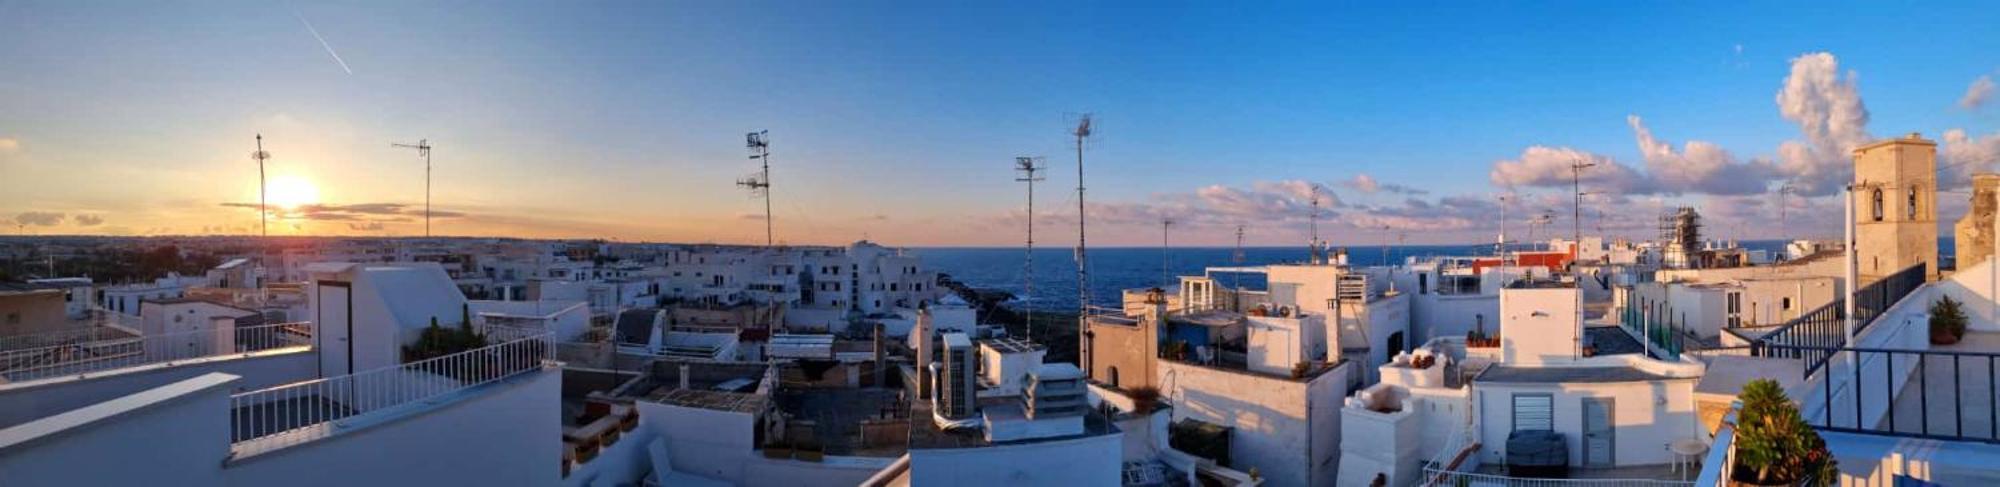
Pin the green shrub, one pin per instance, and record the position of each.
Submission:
(1774, 445)
(1948, 317)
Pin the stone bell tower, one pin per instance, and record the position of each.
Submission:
(1895, 211)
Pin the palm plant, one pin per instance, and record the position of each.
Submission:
(1774, 445)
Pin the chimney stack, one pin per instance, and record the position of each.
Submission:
(881, 367)
(922, 334)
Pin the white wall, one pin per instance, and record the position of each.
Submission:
(1285, 428)
(1539, 325)
(25, 401)
(125, 447)
(1647, 416)
(507, 433)
(1435, 315)
(1093, 460)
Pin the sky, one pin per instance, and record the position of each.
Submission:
(899, 122)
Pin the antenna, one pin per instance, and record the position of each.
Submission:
(1576, 242)
(1236, 278)
(1082, 134)
(1166, 257)
(423, 147)
(1784, 230)
(263, 207)
(759, 143)
(1500, 247)
(1029, 169)
(1312, 246)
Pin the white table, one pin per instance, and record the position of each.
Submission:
(1687, 451)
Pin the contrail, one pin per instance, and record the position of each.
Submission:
(322, 42)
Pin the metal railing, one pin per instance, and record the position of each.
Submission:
(82, 357)
(1451, 458)
(290, 414)
(93, 333)
(1810, 336)
(1449, 478)
(1912, 393)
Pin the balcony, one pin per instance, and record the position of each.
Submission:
(100, 349)
(269, 419)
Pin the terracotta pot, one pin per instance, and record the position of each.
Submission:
(1944, 338)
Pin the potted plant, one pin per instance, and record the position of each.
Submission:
(1947, 321)
(1774, 445)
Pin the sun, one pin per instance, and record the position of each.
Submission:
(291, 192)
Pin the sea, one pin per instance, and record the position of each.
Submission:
(1115, 269)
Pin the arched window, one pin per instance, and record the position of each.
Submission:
(1113, 373)
(1877, 205)
(1912, 208)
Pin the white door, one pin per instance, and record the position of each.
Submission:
(1598, 432)
(333, 323)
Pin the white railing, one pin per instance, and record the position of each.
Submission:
(83, 357)
(294, 413)
(1441, 477)
(507, 332)
(93, 333)
(1452, 456)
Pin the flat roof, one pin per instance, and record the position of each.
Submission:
(1011, 345)
(1564, 374)
(705, 399)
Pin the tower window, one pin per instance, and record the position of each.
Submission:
(1912, 208)
(1877, 205)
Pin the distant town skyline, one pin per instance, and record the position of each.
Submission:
(900, 123)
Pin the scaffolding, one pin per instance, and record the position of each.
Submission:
(1680, 236)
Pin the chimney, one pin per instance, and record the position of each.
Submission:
(684, 376)
(881, 367)
(922, 334)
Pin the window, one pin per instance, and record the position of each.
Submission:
(1911, 209)
(1877, 204)
(1785, 303)
(1534, 412)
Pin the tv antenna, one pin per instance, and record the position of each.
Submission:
(759, 184)
(1082, 133)
(263, 205)
(1029, 170)
(1312, 246)
(1166, 257)
(1236, 278)
(423, 147)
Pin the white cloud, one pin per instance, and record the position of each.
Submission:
(1977, 94)
(1367, 184)
(1700, 167)
(1960, 155)
(1543, 166)
(1828, 110)
(39, 218)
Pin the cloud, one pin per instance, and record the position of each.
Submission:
(1700, 167)
(9, 145)
(365, 227)
(750, 216)
(1548, 167)
(1368, 185)
(1960, 155)
(89, 220)
(1977, 94)
(39, 219)
(1828, 110)
(378, 212)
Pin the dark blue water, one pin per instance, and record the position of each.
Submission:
(1113, 270)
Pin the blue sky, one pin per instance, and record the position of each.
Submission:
(898, 121)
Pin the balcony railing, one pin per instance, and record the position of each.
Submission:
(1902, 392)
(1812, 335)
(83, 357)
(1447, 478)
(294, 413)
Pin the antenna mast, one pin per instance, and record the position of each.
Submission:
(759, 143)
(1082, 134)
(263, 206)
(1236, 278)
(1029, 169)
(423, 147)
(1312, 246)
(1166, 258)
